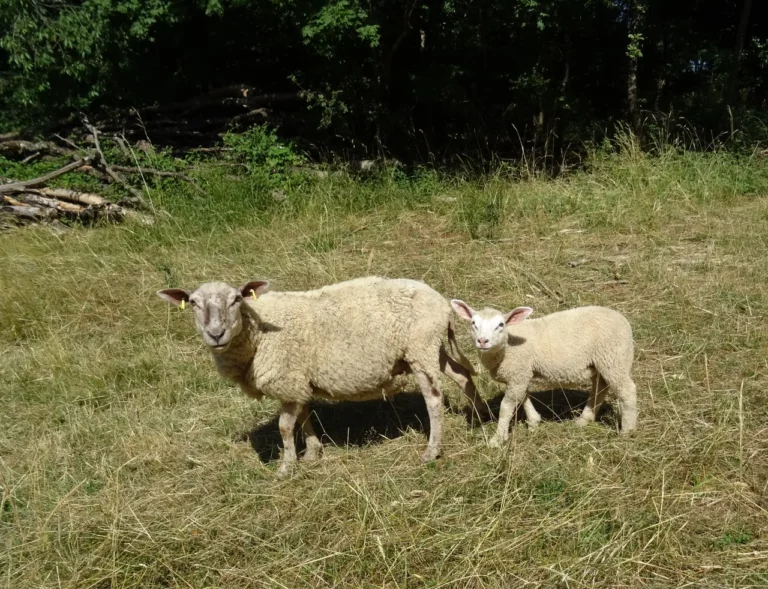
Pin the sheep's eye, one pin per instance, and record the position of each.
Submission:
(501, 326)
(238, 299)
(192, 303)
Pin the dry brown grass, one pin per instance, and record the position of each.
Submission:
(125, 460)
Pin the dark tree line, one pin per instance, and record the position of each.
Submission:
(412, 78)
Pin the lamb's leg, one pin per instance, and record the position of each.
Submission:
(289, 412)
(626, 393)
(314, 446)
(433, 398)
(461, 376)
(596, 398)
(532, 416)
(515, 394)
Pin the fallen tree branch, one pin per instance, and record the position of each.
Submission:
(25, 148)
(16, 186)
(29, 214)
(239, 97)
(154, 172)
(31, 198)
(81, 198)
(137, 198)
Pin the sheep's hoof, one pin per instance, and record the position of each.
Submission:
(430, 455)
(312, 454)
(580, 422)
(532, 425)
(496, 442)
(285, 470)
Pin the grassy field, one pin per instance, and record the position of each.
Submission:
(125, 461)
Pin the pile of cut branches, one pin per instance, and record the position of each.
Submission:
(34, 201)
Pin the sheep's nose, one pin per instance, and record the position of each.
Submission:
(217, 335)
(483, 341)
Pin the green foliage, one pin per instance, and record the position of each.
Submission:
(260, 149)
(328, 27)
(421, 80)
(733, 537)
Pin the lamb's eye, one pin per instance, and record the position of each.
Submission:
(238, 299)
(192, 303)
(501, 326)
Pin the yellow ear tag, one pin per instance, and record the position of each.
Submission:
(182, 304)
(253, 294)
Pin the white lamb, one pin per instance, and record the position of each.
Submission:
(349, 341)
(563, 348)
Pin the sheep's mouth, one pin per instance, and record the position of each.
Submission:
(220, 347)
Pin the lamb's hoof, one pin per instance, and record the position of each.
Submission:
(285, 470)
(532, 425)
(430, 455)
(626, 431)
(580, 422)
(312, 454)
(496, 442)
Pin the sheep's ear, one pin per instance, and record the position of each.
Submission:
(254, 288)
(517, 315)
(175, 296)
(462, 309)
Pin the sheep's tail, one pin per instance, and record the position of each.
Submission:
(456, 351)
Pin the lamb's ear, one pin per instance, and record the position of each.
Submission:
(175, 296)
(462, 309)
(254, 287)
(517, 315)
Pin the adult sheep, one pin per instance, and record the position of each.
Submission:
(346, 341)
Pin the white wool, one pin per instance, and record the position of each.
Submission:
(563, 348)
(354, 340)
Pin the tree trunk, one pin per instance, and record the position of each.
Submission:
(732, 93)
(633, 54)
(661, 74)
(561, 114)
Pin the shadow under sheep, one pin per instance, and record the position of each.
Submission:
(351, 423)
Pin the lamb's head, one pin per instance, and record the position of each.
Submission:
(489, 325)
(216, 307)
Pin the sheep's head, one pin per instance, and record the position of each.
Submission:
(216, 306)
(489, 325)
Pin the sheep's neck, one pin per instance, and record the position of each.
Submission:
(492, 358)
(235, 362)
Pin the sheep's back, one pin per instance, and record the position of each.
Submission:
(346, 339)
(571, 342)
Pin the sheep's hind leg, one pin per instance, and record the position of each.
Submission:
(532, 417)
(515, 394)
(314, 446)
(596, 398)
(433, 398)
(626, 393)
(461, 376)
(289, 412)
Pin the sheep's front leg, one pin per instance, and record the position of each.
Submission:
(461, 376)
(314, 446)
(289, 412)
(514, 395)
(433, 398)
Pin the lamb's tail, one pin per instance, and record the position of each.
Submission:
(456, 351)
